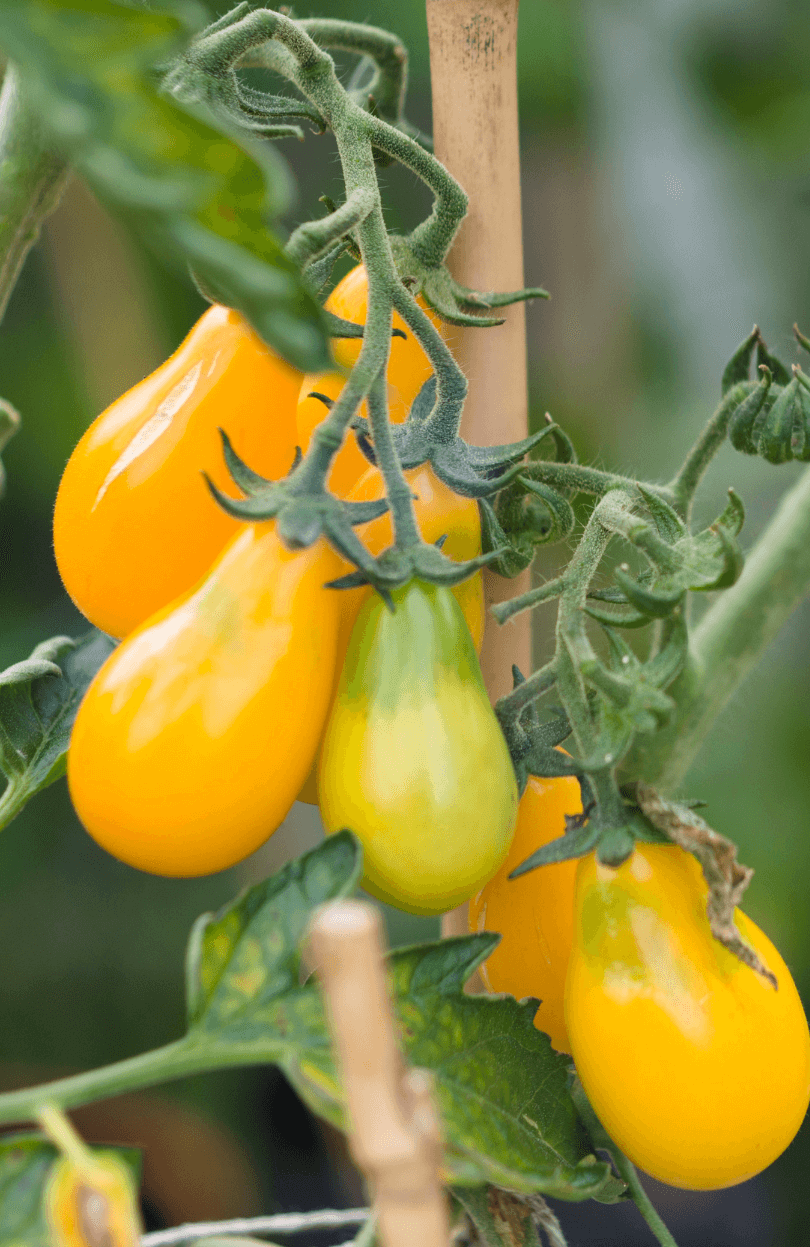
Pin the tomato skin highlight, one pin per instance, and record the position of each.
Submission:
(413, 760)
(535, 912)
(408, 370)
(694, 1064)
(134, 524)
(196, 735)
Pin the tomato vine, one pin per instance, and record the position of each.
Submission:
(638, 687)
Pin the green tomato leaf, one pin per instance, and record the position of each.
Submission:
(501, 1089)
(246, 957)
(39, 698)
(25, 1163)
(200, 193)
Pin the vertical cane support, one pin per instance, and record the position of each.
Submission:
(473, 60)
(394, 1131)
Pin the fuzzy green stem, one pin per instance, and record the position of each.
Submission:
(685, 483)
(581, 479)
(32, 180)
(354, 129)
(397, 489)
(175, 1060)
(641, 1199)
(314, 238)
(433, 238)
(451, 384)
(730, 639)
(572, 641)
(390, 83)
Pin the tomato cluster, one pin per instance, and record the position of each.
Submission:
(243, 683)
(206, 723)
(697, 1067)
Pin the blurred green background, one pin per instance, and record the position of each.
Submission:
(666, 205)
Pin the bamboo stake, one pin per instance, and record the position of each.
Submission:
(394, 1132)
(473, 62)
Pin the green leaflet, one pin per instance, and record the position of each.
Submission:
(501, 1089)
(25, 1163)
(200, 194)
(39, 698)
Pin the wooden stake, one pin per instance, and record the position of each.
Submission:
(473, 63)
(394, 1132)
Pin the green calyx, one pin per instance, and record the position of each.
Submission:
(425, 273)
(302, 514)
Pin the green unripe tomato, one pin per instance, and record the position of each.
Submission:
(413, 760)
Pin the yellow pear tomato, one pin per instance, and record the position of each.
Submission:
(197, 734)
(535, 912)
(408, 370)
(135, 525)
(695, 1064)
(413, 759)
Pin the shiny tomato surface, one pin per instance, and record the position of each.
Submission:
(413, 759)
(535, 912)
(196, 735)
(695, 1065)
(135, 525)
(408, 370)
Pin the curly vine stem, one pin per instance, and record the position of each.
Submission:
(684, 484)
(292, 49)
(730, 639)
(574, 655)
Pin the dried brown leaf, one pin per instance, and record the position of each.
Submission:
(727, 878)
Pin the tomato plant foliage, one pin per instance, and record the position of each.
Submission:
(39, 698)
(503, 1092)
(508, 1117)
(148, 107)
(200, 194)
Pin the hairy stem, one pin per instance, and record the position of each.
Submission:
(641, 1199)
(572, 640)
(32, 180)
(451, 384)
(389, 55)
(433, 238)
(175, 1060)
(685, 483)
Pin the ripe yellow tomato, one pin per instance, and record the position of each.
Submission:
(413, 759)
(196, 735)
(535, 912)
(408, 370)
(694, 1064)
(135, 525)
